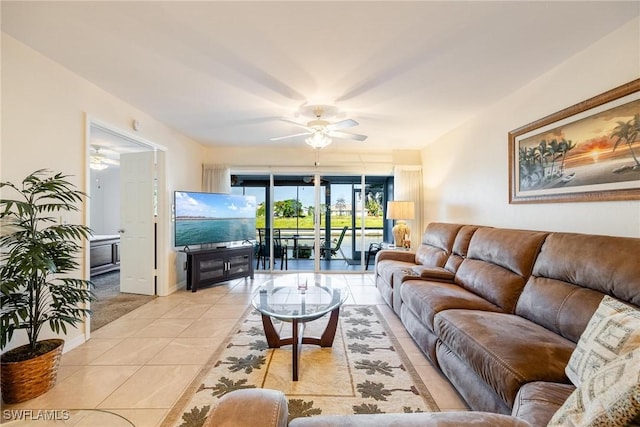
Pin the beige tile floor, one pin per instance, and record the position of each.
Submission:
(133, 370)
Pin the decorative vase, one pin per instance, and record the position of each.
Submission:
(26, 379)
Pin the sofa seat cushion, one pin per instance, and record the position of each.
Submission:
(538, 401)
(505, 350)
(426, 299)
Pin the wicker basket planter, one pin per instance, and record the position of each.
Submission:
(30, 378)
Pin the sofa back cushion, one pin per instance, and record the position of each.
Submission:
(571, 275)
(460, 247)
(437, 242)
(558, 306)
(498, 264)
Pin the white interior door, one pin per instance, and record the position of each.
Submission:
(137, 237)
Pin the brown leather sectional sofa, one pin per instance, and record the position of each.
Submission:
(499, 311)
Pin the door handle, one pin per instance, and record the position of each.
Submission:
(121, 231)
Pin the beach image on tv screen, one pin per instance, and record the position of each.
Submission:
(203, 218)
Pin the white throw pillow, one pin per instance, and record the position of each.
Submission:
(613, 330)
(610, 397)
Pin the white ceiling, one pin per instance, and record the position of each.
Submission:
(225, 73)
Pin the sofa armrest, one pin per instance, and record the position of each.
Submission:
(435, 274)
(396, 255)
(536, 402)
(250, 407)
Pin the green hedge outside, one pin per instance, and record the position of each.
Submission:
(307, 222)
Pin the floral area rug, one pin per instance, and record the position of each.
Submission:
(365, 371)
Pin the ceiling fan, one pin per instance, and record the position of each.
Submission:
(321, 131)
(98, 161)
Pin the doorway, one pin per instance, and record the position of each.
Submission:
(124, 172)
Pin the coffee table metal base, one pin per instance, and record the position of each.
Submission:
(298, 338)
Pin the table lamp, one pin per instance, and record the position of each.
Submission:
(400, 211)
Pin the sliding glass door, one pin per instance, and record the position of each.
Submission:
(353, 219)
(315, 222)
(293, 216)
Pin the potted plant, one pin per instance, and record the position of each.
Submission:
(38, 254)
(303, 251)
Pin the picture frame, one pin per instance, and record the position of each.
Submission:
(587, 152)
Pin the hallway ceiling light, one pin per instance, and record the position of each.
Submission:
(98, 161)
(97, 165)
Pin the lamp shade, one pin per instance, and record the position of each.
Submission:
(400, 210)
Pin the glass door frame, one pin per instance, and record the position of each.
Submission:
(357, 254)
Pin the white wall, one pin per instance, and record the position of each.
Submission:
(353, 157)
(466, 171)
(44, 108)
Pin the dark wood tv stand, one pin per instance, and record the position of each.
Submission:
(214, 265)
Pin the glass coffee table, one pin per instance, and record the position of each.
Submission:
(298, 299)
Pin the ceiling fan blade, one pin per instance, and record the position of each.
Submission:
(343, 124)
(290, 136)
(346, 135)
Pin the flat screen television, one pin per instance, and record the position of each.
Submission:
(208, 218)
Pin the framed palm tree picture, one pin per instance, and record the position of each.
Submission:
(587, 152)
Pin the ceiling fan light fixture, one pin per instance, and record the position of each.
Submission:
(321, 131)
(318, 140)
(97, 165)
(98, 162)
